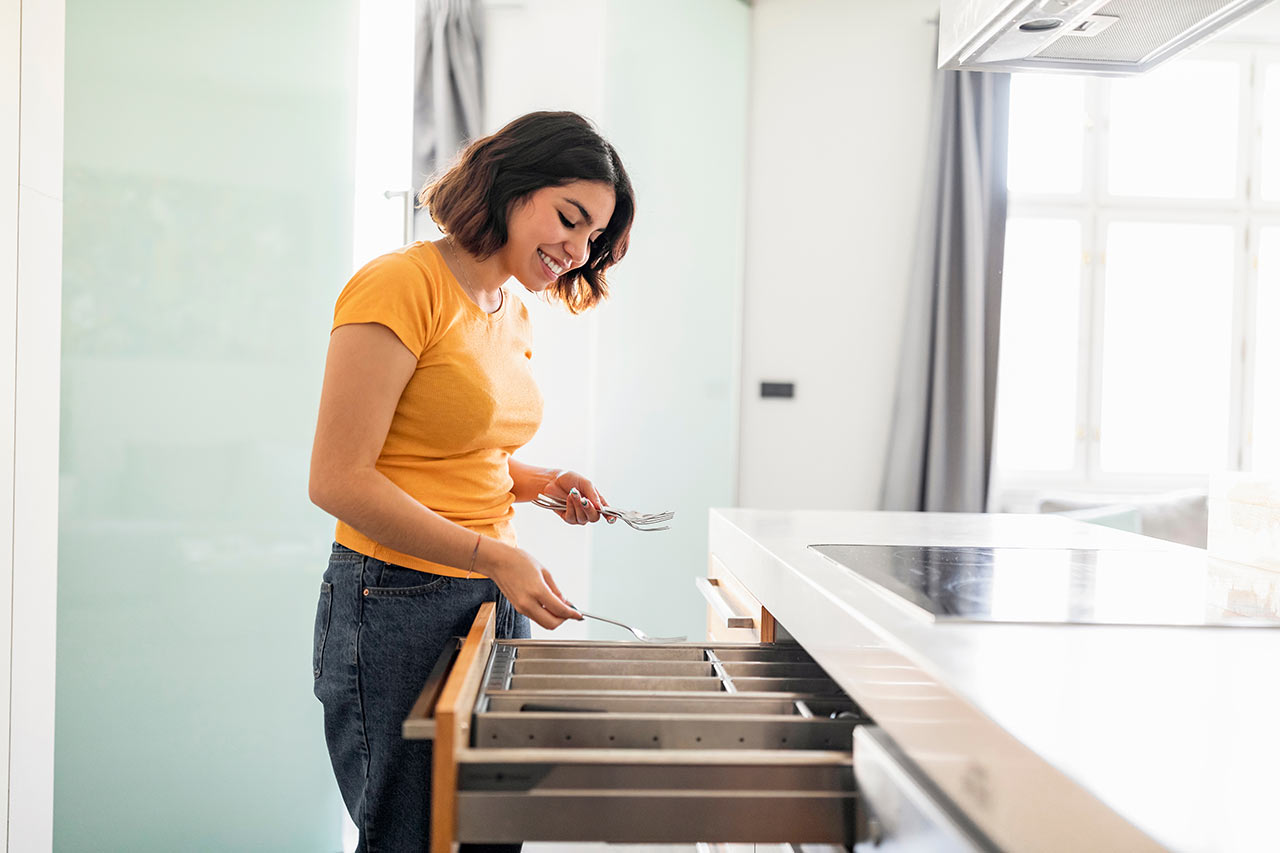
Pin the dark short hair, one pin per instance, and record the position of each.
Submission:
(472, 200)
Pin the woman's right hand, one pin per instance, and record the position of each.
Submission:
(525, 582)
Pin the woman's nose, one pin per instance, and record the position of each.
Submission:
(576, 251)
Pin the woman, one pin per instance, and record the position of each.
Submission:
(427, 394)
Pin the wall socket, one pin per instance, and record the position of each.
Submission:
(778, 389)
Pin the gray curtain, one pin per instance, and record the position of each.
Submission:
(448, 97)
(939, 455)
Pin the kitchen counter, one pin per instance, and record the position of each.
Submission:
(1049, 737)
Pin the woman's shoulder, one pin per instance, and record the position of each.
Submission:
(416, 271)
(420, 259)
(403, 290)
(413, 274)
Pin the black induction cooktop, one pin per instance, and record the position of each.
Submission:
(1066, 585)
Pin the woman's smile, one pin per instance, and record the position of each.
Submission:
(556, 269)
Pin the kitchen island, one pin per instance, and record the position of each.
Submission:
(1047, 736)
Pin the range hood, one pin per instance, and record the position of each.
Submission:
(1107, 37)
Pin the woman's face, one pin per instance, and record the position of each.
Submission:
(551, 231)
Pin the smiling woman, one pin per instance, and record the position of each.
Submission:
(546, 182)
(427, 394)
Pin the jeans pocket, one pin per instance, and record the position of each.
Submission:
(399, 582)
(324, 608)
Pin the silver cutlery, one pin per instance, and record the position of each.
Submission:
(640, 635)
(637, 520)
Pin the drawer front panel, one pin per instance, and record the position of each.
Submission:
(638, 817)
(655, 803)
(733, 614)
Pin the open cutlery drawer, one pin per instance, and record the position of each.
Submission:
(539, 740)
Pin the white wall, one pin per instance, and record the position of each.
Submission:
(839, 108)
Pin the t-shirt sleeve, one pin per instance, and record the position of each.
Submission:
(393, 291)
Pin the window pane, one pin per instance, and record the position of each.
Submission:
(1271, 133)
(1046, 133)
(1166, 381)
(1039, 327)
(1266, 376)
(1174, 131)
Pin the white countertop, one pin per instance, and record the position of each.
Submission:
(1051, 737)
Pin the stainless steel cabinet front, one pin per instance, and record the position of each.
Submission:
(630, 742)
(905, 812)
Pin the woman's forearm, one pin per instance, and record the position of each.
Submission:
(368, 501)
(381, 510)
(528, 481)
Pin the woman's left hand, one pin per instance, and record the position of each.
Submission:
(580, 494)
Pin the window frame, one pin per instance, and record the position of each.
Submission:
(1262, 214)
(1095, 208)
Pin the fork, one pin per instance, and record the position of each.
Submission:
(640, 635)
(638, 520)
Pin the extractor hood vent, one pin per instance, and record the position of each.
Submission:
(1111, 37)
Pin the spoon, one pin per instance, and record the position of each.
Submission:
(640, 635)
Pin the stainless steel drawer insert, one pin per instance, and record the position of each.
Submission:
(641, 743)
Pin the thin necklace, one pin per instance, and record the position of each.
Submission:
(471, 288)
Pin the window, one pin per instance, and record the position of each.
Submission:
(1142, 270)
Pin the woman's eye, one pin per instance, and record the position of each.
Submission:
(565, 222)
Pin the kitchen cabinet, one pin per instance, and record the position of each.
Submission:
(739, 743)
(864, 724)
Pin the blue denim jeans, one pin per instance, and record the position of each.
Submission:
(379, 630)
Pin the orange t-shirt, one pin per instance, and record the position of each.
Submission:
(470, 403)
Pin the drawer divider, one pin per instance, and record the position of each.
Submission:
(720, 671)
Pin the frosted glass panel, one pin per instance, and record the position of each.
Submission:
(1039, 329)
(1266, 377)
(1270, 141)
(207, 232)
(665, 436)
(1046, 133)
(1166, 348)
(1174, 131)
